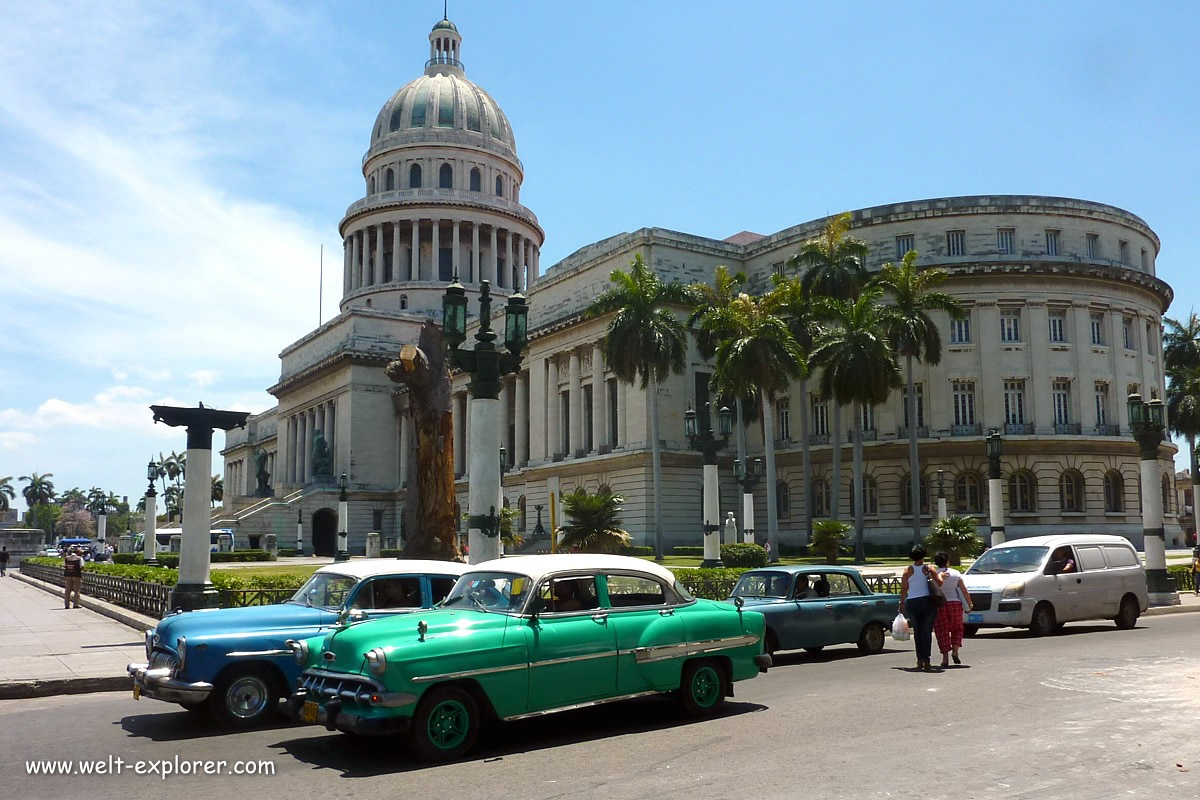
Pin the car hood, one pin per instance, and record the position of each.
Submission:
(446, 630)
(235, 623)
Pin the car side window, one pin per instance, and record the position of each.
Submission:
(625, 591)
(440, 587)
(1090, 558)
(1120, 556)
(383, 593)
(564, 595)
(841, 585)
(1061, 561)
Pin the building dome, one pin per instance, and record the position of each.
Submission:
(445, 25)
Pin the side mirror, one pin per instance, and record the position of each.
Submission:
(739, 602)
(537, 605)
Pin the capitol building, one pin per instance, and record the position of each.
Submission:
(1064, 320)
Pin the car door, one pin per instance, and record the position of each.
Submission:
(1097, 595)
(572, 651)
(1066, 585)
(846, 606)
(813, 623)
(651, 641)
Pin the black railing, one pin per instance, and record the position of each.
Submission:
(147, 598)
(922, 432)
(818, 438)
(882, 584)
(966, 430)
(239, 598)
(1018, 428)
(1108, 430)
(447, 60)
(1068, 428)
(868, 435)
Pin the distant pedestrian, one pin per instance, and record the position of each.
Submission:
(949, 622)
(3, 561)
(1196, 569)
(916, 603)
(72, 576)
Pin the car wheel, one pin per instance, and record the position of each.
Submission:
(445, 725)
(1044, 622)
(970, 630)
(870, 641)
(702, 688)
(814, 649)
(1128, 615)
(244, 697)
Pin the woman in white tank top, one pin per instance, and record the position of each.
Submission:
(917, 605)
(948, 626)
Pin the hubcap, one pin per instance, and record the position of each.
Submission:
(448, 724)
(706, 686)
(247, 697)
(875, 638)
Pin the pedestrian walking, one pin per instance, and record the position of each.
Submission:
(948, 625)
(1196, 569)
(72, 576)
(916, 603)
(3, 561)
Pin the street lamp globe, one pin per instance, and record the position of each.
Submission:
(725, 421)
(993, 444)
(1136, 409)
(516, 322)
(758, 466)
(1155, 412)
(454, 313)
(689, 423)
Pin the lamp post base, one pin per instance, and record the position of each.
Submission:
(1161, 588)
(193, 596)
(341, 555)
(712, 562)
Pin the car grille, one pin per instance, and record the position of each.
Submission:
(348, 687)
(159, 659)
(981, 601)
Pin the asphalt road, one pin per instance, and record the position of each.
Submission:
(1091, 713)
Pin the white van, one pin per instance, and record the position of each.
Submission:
(1044, 581)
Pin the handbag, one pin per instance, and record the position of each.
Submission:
(935, 590)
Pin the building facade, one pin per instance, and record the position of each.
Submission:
(1064, 321)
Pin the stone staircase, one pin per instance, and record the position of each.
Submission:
(263, 515)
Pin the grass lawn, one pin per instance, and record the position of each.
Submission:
(300, 570)
(694, 561)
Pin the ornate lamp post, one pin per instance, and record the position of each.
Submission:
(995, 487)
(299, 531)
(708, 444)
(941, 473)
(748, 478)
(150, 540)
(343, 521)
(1147, 423)
(486, 366)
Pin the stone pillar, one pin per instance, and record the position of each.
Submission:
(748, 517)
(460, 430)
(468, 444)
(575, 394)
(519, 264)
(377, 261)
(492, 263)
(521, 422)
(414, 272)
(403, 425)
(396, 250)
(355, 279)
(485, 476)
(271, 545)
(474, 276)
(502, 418)
(510, 261)
(436, 251)
(373, 545)
(194, 590)
(124, 544)
(454, 256)
(553, 413)
(599, 399)
(290, 456)
(537, 265)
(224, 543)
(346, 253)
(996, 509)
(712, 518)
(538, 428)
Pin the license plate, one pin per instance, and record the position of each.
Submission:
(974, 617)
(308, 712)
(137, 693)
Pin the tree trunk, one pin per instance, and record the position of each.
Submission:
(835, 439)
(769, 451)
(806, 461)
(656, 468)
(914, 477)
(1195, 474)
(860, 549)
(741, 454)
(429, 508)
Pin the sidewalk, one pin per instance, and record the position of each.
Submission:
(46, 649)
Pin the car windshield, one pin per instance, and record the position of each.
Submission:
(1001, 560)
(763, 584)
(505, 592)
(325, 589)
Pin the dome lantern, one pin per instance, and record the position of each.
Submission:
(444, 44)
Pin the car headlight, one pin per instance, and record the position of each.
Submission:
(149, 643)
(299, 651)
(377, 661)
(181, 648)
(1014, 590)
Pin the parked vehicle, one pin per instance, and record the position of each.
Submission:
(811, 608)
(1042, 582)
(235, 662)
(525, 636)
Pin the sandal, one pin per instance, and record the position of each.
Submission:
(957, 660)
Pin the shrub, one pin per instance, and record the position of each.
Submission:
(594, 525)
(792, 550)
(127, 558)
(390, 552)
(709, 583)
(743, 555)
(239, 556)
(829, 539)
(687, 550)
(958, 536)
(287, 551)
(637, 550)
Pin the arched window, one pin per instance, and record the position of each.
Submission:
(1022, 492)
(783, 500)
(1166, 494)
(414, 176)
(476, 180)
(604, 489)
(394, 123)
(389, 180)
(906, 496)
(446, 177)
(371, 185)
(820, 498)
(1070, 491)
(966, 494)
(403, 302)
(521, 509)
(368, 302)
(870, 495)
(499, 187)
(1114, 491)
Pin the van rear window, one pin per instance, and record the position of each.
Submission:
(1119, 556)
(1090, 558)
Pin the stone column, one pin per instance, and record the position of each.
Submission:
(403, 426)
(510, 262)
(355, 264)
(711, 500)
(289, 457)
(553, 413)
(474, 276)
(414, 272)
(483, 494)
(599, 399)
(467, 443)
(996, 502)
(537, 411)
(537, 265)
(396, 250)
(454, 257)
(502, 419)
(521, 420)
(377, 261)
(346, 253)
(460, 433)
(492, 260)
(519, 283)
(436, 251)
(575, 394)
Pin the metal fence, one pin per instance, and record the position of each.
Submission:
(239, 598)
(147, 598)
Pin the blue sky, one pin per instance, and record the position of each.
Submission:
(170, 171)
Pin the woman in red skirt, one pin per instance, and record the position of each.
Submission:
(948, 626)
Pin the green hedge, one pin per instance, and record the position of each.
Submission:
(172, 559)
(743, 555)
(709, 583)
(1184, 580)
(686, 550)
(169, 577)
(637, 550)
(287, 551)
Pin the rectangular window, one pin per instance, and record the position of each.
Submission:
(868, 418)
(1149, 338)
(1014, 402)
(445, 263)
(1004, 240)
(964, 403)
(1093, 245)
(588, 416)
(1051, 243)
(1061, 396)
(903, 245)
(785, 419)
(1132, 388)
(1127, 333)
(777, 268)
(956, 243)
(1058, 325)
(920, 405)
(1010, 325)
(1123, 251)
(820, 416)
(1097, 322)
(1101, 403)
(960, 330)
(613, 412)
(1145, 260)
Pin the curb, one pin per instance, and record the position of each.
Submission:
(20, 690)
(139, 622)
(1158, 611)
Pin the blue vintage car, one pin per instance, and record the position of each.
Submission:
(809, 607)
(235, 662)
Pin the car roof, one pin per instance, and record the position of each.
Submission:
(370, 567)
(1065, 538)
(807, 569)
(537, 566)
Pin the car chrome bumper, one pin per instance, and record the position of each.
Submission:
(331, 716)
(1008, 613)
(159, 685)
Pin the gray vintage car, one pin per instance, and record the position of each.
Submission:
(810, 607)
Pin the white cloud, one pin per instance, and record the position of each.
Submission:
(204, 377)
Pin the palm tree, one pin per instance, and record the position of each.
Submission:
(761, 356)
(73, 497)
(594, 526)
(96, 498)
(914, 335)
(646, 341)
(1181, 343)
(7, 493)
(218, 489)
(833, 265)
(858, 368)
(40, 490)
(161, 469)
(1183, 411)
(173, 499)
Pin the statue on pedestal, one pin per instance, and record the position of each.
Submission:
(263, 478)
(321, 459)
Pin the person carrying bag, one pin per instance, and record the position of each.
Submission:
(916, 603)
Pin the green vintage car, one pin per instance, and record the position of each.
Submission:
(525, 636)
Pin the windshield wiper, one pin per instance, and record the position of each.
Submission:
(478, 603)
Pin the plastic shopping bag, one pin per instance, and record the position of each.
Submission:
(900, 631)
